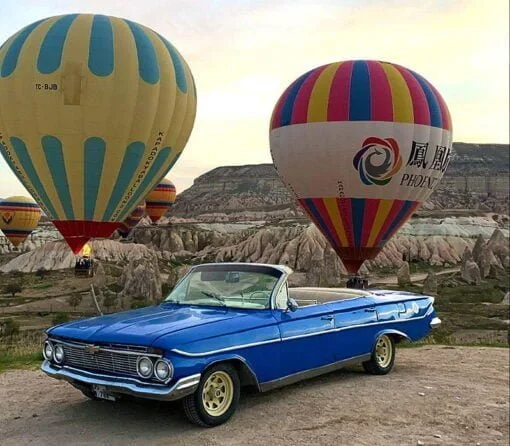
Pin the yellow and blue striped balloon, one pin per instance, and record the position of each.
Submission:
(94, 111)
(19, 216)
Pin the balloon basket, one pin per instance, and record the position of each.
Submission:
(357, 282)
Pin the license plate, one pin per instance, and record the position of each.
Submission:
(100, 392)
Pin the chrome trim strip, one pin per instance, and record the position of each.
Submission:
(307, 374)
(350, 327)
(226, 349)
(397, 332)
(290, 338)
(109, 377)
(84, 346)
(435, 323)
(184, 386)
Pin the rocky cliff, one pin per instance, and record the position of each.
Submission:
(477, 178)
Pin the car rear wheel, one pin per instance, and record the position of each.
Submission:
(383, 356)
(216, 399)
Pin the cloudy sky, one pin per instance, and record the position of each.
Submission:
(244, 53)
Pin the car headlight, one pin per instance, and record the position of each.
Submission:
(144, 367)
(163, 370)
(58, 354)
(48, 350)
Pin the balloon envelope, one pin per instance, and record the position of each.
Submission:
(94, 111)
(19, 216)
(361, 144)
(134, 218)
(160, 200)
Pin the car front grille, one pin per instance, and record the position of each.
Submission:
(119, 360)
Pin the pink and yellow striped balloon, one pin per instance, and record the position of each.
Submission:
(361, 144)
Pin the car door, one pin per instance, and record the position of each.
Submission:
(306, 335)
(355, 327)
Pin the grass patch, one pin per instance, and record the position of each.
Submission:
(22, 361)
(42, 286)
(21, 351)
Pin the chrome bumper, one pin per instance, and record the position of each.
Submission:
(435, 322)
(117, 385)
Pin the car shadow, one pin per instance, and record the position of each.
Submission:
(130, 416)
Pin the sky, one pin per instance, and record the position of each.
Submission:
(244, 53)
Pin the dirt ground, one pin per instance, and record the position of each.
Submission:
(436, 395)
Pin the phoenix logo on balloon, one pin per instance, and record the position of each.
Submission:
(378, 160)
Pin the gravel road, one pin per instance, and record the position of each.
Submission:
(435, 395)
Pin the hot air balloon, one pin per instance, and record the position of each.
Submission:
(94, 111)
(160, 200)
(19, 216)
(361, 144)
(129, 223)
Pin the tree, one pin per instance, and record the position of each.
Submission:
(12, 289)
(10, 327)
(110, 300)
(41, 273)
(74, 300)
(60, 318)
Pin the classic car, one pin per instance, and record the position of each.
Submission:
(229, 325)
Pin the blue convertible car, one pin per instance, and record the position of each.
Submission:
(229, 325)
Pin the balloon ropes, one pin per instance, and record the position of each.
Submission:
(94, 111)
(361, 144)
(19, 216)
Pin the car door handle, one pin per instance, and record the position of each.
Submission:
(327, 318)
(370, 310)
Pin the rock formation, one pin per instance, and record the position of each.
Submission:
(430, 284)
(477, 178)
(470, 273)
(404, 274)
(57, 255)
(141, 280)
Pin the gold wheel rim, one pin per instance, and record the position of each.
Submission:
(383, 351)
(217, 393)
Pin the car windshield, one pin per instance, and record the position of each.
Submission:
(235, 286)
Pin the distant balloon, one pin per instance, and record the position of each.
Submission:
(19, 216)
(361, 144)
(134, 218)
(94, 111)
(160, 200)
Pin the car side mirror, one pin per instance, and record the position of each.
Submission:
(291, 304)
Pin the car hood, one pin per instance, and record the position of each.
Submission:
(142, 326)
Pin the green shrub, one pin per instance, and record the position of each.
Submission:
(165, 290)
(60, 318)
(12, 289)
(74, 300)
(138, 302)
(116, 288)
(9, 327)
(109, 301)
(41, 273)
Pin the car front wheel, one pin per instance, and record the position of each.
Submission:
(217, 397)
(383, 356)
